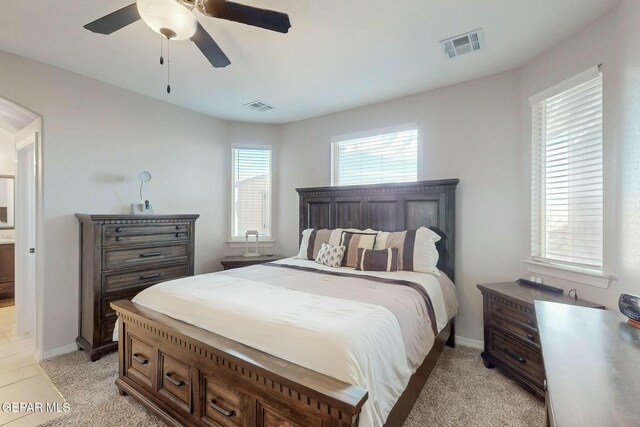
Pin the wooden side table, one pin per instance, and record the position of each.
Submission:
(511, 337)
(239, 261)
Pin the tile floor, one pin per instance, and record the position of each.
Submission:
(21, 378)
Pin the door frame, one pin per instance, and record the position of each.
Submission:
(25, 237)
(35, 130)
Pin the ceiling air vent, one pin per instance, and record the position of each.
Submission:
(259, 106)
(464, 43)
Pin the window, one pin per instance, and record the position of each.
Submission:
(387, 157)
(251, 204)
(567, 174)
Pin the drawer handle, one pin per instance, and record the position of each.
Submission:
(150, 254)
(530, 337)
(221, 410)
(136, 357)
(179, 234)
(118, 230)
(515, 356)
(178, 227)
(150, 276)
(118, 239)
(175, 382)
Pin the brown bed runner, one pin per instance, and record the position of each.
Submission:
(415, 286)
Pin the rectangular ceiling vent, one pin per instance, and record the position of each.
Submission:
(259, 106)
(464, 43)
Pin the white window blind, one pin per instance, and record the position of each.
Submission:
(567, 176)
(251, 202)
(390, 157)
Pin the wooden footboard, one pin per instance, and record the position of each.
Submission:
(189, 376)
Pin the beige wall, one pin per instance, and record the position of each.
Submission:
(613, 42)
(7, 153)
(469, 131)
(96, 138)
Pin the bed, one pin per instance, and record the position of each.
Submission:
(313, 357)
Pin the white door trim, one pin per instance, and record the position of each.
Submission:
(25, 271)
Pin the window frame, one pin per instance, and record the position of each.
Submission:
(239, 241)
(335, 158)
(542, 265)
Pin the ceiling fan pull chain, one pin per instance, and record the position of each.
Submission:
(168, 65)
(161, 44)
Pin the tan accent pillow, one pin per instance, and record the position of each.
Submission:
(354, 241)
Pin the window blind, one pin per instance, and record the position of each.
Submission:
(390, 157)
(251, 191)
(567, 177)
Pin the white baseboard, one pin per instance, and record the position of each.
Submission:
(468, 342)
(69, 348)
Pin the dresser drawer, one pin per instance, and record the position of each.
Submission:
(143, 239)
(175, 382)
(517, 328)
(138, 229)
(141, 363)
(106, 330)
(222, 406)
(123, 258)
(119, 282)
(513, 313)
(106, 312)
(519, 356)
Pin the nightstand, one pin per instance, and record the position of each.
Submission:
(238, 261)
(511, 338)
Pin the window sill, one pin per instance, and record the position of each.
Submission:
(235, 244)
(572, 274)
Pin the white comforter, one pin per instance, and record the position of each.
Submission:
(356, 342)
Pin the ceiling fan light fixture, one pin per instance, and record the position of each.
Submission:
(168, 17)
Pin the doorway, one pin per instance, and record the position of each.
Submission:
(20, 193)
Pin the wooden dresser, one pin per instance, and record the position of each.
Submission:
(120, 255)
(592, 364)
(511, 338)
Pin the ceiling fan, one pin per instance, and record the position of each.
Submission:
(174, 19)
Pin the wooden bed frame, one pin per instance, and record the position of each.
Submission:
(189, 376)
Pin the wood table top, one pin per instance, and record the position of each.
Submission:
(529, 294)
(592, 364)
(241, 258)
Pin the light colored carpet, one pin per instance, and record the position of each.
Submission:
(460, 392)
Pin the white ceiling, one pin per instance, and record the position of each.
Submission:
(339, 54)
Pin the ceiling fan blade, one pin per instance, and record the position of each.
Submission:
(209, 48)
(114, 21)
(263, 18)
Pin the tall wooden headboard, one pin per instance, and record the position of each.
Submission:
(387, 207)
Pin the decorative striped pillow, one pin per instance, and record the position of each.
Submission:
(416, 249)
(377, 260)
(330, 255)
(312, 240)
(354, 241)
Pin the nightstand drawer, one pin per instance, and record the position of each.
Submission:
(521, 316)
(519, 356)
(515, 327)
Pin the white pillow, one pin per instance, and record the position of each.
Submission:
(417, 249)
